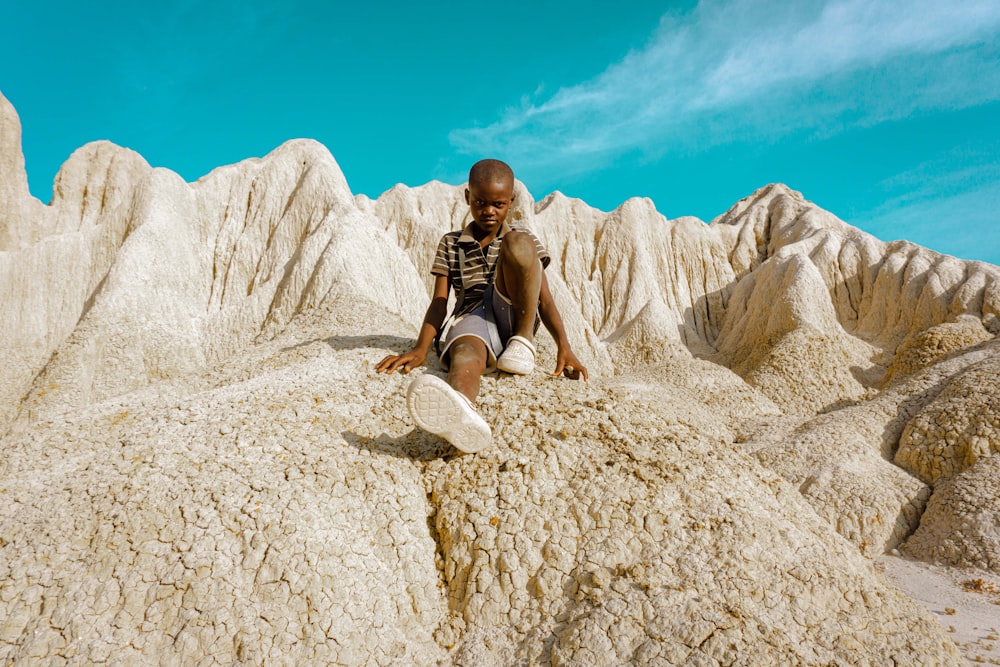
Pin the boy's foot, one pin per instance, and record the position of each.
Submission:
(441, 410)
(518, 357)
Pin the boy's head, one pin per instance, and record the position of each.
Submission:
(490, 193)
(495, 171)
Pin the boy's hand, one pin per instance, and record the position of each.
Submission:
(405, 362)
(569, 365)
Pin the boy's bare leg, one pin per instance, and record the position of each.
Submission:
(467, 362)
(519, 278)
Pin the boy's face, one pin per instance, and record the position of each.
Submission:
(489, 203)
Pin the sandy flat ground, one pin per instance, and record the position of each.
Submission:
(965, 601)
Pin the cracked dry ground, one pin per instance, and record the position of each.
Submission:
(281, 509)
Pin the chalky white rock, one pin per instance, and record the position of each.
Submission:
(198, 462)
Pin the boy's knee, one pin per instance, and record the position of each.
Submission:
(468, 355)
(519, 247)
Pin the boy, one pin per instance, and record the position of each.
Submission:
(498, 275)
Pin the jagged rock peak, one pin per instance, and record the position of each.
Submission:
(20, 213)
(760, 196)
(13, 178)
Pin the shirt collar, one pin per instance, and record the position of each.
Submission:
(466, 235)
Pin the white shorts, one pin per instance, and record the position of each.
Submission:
(475, 324)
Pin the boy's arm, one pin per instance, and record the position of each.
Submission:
(433, 320)
(566, 361)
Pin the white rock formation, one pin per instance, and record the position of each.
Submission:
(199, 465)
(958, 428)
(22, 219)
(961, 525)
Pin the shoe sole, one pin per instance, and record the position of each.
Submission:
(438, 409)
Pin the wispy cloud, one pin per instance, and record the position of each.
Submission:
(962, 222)
(949, 203)
(744, 70)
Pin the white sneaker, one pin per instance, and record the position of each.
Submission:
(519, 356)
(441, 410)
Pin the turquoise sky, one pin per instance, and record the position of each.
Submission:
(885, 112)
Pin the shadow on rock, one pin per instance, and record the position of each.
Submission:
(397, 343)
(378, 342)
(415, 445)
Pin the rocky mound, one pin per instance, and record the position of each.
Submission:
(199, 464)
(961, 525)
(958, 428)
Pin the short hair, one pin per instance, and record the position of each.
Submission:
(491, 171)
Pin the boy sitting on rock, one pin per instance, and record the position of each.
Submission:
(498, 276)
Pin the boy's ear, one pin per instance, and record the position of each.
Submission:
(466, 195)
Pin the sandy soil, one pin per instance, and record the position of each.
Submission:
(966, 601)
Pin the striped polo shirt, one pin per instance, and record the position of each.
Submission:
(480, 263)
